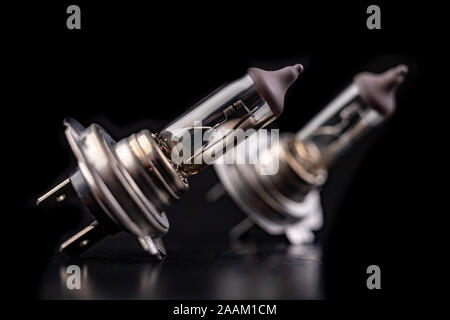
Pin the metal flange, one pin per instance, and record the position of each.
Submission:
(286, 203)
(125, 185)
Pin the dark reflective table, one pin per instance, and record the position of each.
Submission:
(203, 271)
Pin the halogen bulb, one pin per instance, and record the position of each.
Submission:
(288, 200)
(126, 185)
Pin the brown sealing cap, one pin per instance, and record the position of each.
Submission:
(378, 90)
(272, 85)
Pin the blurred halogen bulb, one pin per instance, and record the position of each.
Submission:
(288, 202)
(126, 185)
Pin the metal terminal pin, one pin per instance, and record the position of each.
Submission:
(59, 195)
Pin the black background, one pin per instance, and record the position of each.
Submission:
(134, 65)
